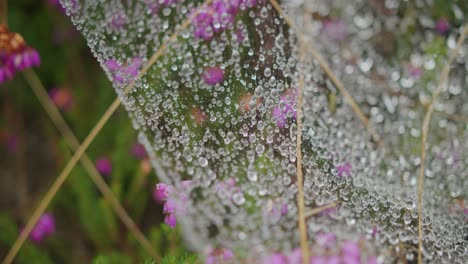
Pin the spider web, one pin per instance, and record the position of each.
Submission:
(218, 108)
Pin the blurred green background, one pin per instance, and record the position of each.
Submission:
(32, 154)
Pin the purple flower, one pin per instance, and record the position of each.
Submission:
(121, 72)
(213, 75)
(318, 260)
(351, 250)
(372, 260)
(275, 258)
(119, 20)
(334, 29)
(15, 54)
(161, 192)
(285, 109)
(104, 166)
(295, 256)
(62, 98)
(170, 220)
(442, 25)
(202, 23)
(138, 151)
(26, 59)
(344, 169)
(44, 227)
(415, 72)
(325, 240)
(218, 256)
(218, 16)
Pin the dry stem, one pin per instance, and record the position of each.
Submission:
(425, 128)
(82, 148)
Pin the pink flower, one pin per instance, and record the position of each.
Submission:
(104, 166)
(62, 98)
(161, 192)
(170, 220)
(442, 25)
(173, 207)
(275, 258)
(15, 54)
(285, 109)
(334, 29)
(344, 169)
(138, 151)
(213, 75)
(44, 227)
(122, 72)
(351, 250)
(415, 72)
(325, 240)
(218, 256)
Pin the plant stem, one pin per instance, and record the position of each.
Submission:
(425, 129)
(88, 140)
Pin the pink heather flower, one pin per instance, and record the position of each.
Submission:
(351, 250)
(175, 206)
(170, 220)
(275, 258)
(104, 166)
(285, 109)
(295, 256)
(325, 240)
(15, 54)
(202, 23)
(415, 72)
(318, 260)
(45, 226)
(218, 256)
(169, 206)
(138, 151)
(119, 20)
(121, 72)
(161, 192)
(344, 169)
(17, 61)
(62, 98)
(334, 29)
(26, 59)
(218, 16)
(372, 260)
(213, 75)
(442, 25)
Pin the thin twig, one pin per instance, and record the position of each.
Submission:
(425, 128)
(300, 176)
(54, 114)
(320, 209)
(82, 148)
(338, 84)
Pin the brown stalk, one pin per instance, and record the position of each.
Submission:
(320, 209)
(338, 84)
(82, 148)
(425, 129)
(54, 114)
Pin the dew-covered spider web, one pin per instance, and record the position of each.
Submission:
(217, 113)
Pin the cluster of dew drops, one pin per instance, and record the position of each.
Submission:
(218, 110)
